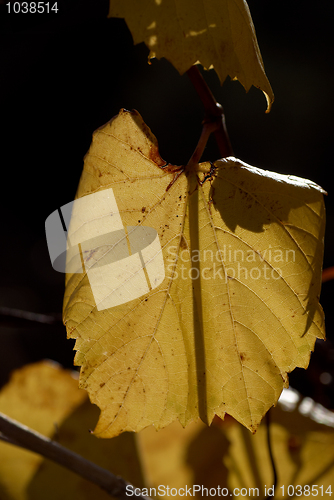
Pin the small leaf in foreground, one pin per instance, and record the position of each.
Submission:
(216, 33)
(46, 398)
(238, 308)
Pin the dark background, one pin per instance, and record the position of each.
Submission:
(63, 75)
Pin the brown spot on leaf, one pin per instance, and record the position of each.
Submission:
(183, 243)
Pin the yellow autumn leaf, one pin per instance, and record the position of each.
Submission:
(200, 287)
(46, 398)
(216, 33)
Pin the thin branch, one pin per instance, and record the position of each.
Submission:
(20, 318)
(6, 439)
(20, 435)
(213, 110)
(272, 461)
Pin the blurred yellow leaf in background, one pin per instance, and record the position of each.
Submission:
(46, 398)
(215, 33)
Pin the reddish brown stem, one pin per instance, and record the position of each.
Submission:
(328, 274)
(207, 129)
(213, 111)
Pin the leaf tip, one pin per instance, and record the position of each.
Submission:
(270, 99)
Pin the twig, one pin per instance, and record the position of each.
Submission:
(272, 461)
(213, 111)
(20, 435)
(17, 318)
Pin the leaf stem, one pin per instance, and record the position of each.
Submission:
(207, 129)
(213, 111)
(18, 434)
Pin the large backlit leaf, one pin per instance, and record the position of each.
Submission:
(217, 33)
(238, 308)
